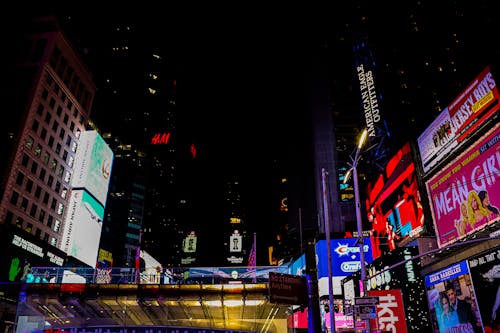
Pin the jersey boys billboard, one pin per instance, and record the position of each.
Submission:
(464, 115)
(463, 195)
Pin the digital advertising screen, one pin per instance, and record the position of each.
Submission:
(396, 270)
(452, 300)
(93, 163)
(82, 230)
(485, 274)
(465, 195)
(21, 252)
(473, 106)
(394, 205)
(345, 258)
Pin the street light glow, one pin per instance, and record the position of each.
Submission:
(362, 139)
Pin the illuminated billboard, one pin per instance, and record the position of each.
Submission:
(82, 228)
(474, 105)
(463, 195)
(93, 162)
(452, 300)
(21, 251)
(346, 260)
(394, 204)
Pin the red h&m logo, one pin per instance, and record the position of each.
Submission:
(160, 138)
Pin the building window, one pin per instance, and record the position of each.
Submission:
(60, 171)
(60, 208)
(20, 178)
(33, 210)
(24, 204)
(67, 176)
(29, 227)
(51, 141)
(52, 103)
(50, 181)
(62, 133)
(59, 111)
(46, 197)
(53, 164)
(57, 225)
(65, 155)
(38, 150)
(34, 167)
(57, 188)
(38, 232)
(25, 160)
(48, 117)
(29, 185)
(70, 161)
(53, 204)
(35, 125)
(55, 126)
(46, 237)
(19, 222)
(50, 220)
(14, 197)
(38, 192)
(53, 241)
(58, 148)
(66, 118)
(68, 140)
(45, 158)
(43, 172)
(29, 142)
(71, 126)
(43, 133)
(39, 109)
(41, 216)
(64, 193)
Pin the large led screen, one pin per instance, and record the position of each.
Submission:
(466, 113)
(93, 164)
(465, 195)
(485, 274)
(394, 204)
(396, 270)
(82, 230)
(21, 252)
(452, 300)
(345, 258)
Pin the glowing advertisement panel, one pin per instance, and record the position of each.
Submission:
(298, 266)
(345, 257)
(485, 274)
(463, 195)
(82, 230)
(475, 104)
(397, 270)
(394, 204)
(452, 301)
(390, 310)
(93, 162)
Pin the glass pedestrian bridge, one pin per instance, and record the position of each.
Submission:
(173, 300)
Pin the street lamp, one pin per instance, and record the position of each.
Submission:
(361, 243)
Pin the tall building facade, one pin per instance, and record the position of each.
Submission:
(55, 91)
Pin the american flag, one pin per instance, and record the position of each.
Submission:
(252, 258)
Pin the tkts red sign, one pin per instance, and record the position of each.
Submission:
(390, 311)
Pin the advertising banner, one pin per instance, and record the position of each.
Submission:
(82, 230)
(394, 204)
(398, 271)
(21, 252)
(345, 261)
(478, 101)
(93, 162)
(464, 196)
(390, 310)
(452, 300)
(485, 274)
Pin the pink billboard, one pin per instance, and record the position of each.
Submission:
(465, 195)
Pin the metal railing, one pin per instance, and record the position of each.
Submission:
(168, 275)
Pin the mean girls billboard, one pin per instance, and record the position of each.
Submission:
(464, 115)
(464, 196)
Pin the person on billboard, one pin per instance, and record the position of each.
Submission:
(493, 211)
(463, 221)
(477, 213)
(448, 317)
(466, 315)
(392, 236)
